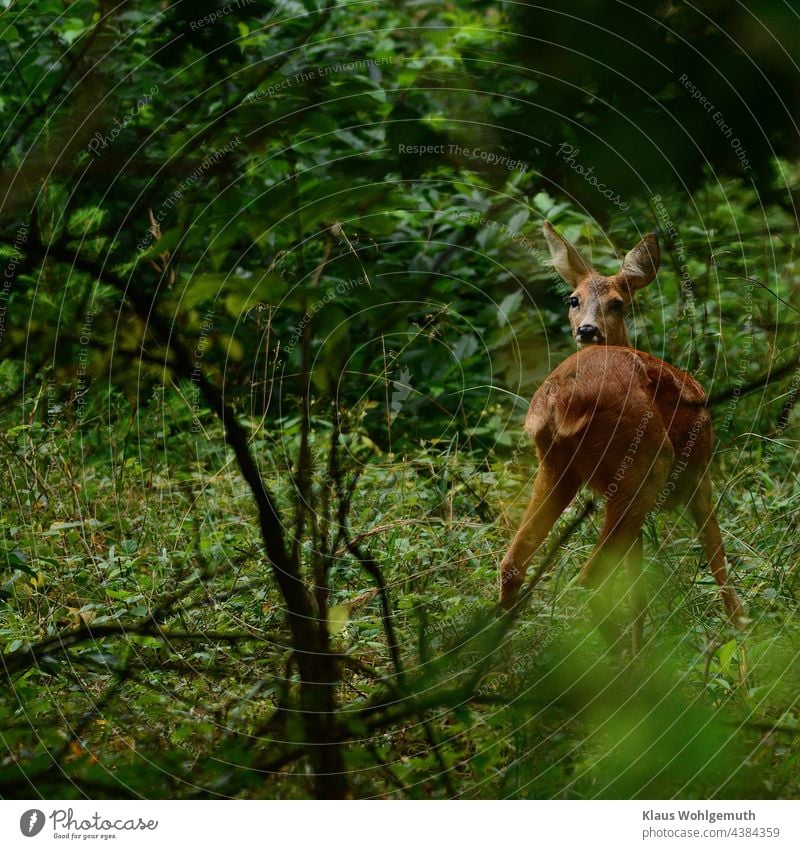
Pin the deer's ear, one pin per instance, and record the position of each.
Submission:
(566, 260)
(641, 263)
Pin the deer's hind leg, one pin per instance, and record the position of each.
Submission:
(621, 542)
(553, 490)
(702, 512)
(634, 562)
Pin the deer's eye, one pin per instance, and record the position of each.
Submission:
(573, 302)
(616, 305)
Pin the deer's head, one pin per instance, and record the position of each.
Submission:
(598, 304)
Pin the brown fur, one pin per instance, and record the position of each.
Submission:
(568, 414)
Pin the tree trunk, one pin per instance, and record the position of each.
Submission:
(317, 700)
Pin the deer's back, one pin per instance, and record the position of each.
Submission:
(606, 408)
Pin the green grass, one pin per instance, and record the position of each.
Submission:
(101, 533)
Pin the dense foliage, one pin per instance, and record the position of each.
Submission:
(274, 301)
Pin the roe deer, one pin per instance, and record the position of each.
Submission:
(629, 426)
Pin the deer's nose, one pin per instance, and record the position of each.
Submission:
(586, 332)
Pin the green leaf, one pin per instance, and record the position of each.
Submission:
(508, 306)
(338, 617)
(263, 287)
(168, 240)
(726, 654)
(202, 287)
(241, 290)
(516, 221)
(17, 559)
